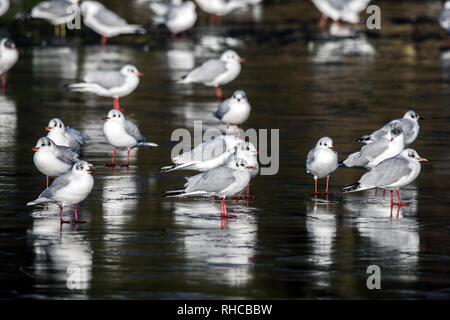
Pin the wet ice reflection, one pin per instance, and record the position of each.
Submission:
(60, 62)
(221, 256)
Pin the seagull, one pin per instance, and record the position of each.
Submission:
(115, 84)
(216, 72)
(122, 133)
(219, 8)
(105, 22)
(322, 161)
(207, 155)
(444, 19)
(4, 6)
(410, 127)
(68, 189)
(179, 18)
(345, 10)
(8, 57)
(391, 174)
(57, 12)
(372, 154)
(222, 181)
(234, 110)
(65, 136)
(160, 8)
(52, 160)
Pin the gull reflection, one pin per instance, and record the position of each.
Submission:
(339, 50)
(210, 45)
(221, 256)
(120, 198)
(55, 62)
(8, 125)
(445, 63)
(180, 58)
(62, 259)
(395, 238)
(198, 111)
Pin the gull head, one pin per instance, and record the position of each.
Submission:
(231, 55)
(239, 96)
(44, 143)
(130, 70)
(395, 130)
(325, 143)
(82, 167)
(114, 115)
(55, 125)
(412, 115)
(412, 154)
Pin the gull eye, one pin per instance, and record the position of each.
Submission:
(248, 148)
(114, 115)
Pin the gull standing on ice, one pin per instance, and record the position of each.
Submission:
(114, 84)
(8, 57)
(179, 18)
(68, 189)
(223, 181)
(372, 154)
(410, 126)
(57, 12)
(123, 134)
(219, 8)
(216, 72)
(322, 161)
(105, 22)
(235, 110)
(391, 174)
(205, 156)
(65, 136)
(345, 10)
(4, 6)
(52, 160)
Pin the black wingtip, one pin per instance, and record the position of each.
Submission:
(350, 188)
(166, 169)
(341, 164)
(174, 193)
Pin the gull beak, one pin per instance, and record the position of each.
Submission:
(251, 168)
(90, 171)
(140, 74)
(34, 149)
(332, 148)
(392, 139)
(105, 118)
(422, 159)
(241, 60)
(48, 128)
(421, 118)
(257, 152)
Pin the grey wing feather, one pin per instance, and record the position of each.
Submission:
(75, 134)
(106, 79)
(386, 173)
(214, 180)
(109, 18)
(205, 151)
(208, 71)
(133, 131)
(374, 149)
(309, 159)
(66, 155)
(59, 183)
(223, 109)
(54, 8)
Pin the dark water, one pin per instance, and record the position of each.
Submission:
(285, 243)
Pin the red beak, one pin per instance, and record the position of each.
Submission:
(48, 128)
(34, 149)
(251, 168)
(105, 118)
(241, 60)
(257, 152)
(90, 171)
(140, 74)
(333, 148)
(422, 159)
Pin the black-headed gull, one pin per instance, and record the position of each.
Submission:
(52, 160)
(223, 181)
(345, 10)
(68, 189)
(57, 13)
(8, 57)
(161, 8)
(219, 8)
(179, 18)
(4, 6)
(234, 110)
(114, 84)
(322, 161)
(123, 134)
(391, 174)
(373, 153)
(216, 72)
(444, 19)
(410, 127)
(65, 136)
(105, 22)
(207, 155)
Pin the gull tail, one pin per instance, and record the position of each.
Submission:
(341, 164)
(363, 139)
(84, 87)
(173, 193)
(351, 188)
(38, 201)
(175, 167)
(147, 144)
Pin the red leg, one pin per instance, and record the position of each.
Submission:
(76, 215)
(248, 196)
(224, 210)
(219, 92)
(112, 162)
(384, 193)
(392, 198)
(61, 216)
(399, 203)
(326, 189)
(103, 41)
(315, 186)
(323, 22)
(3, 80)
(47, 181)
(128, 160)
(376, 192)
